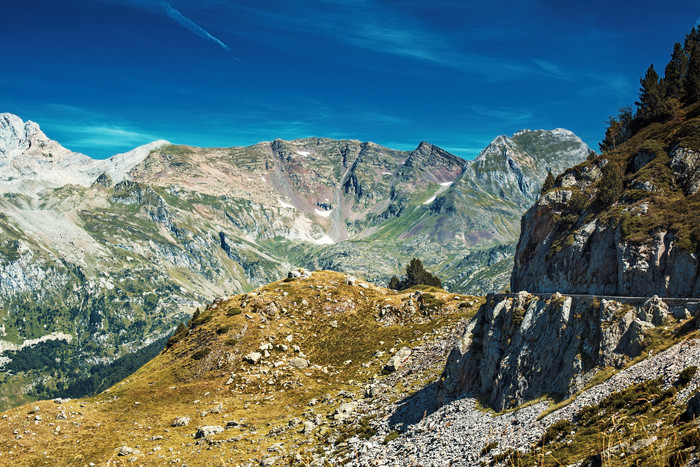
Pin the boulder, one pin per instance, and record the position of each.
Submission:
(298, 362)
(126, 451)
(654, 311)
(344, 410)
(686, 165)
(299, 273)
(253, 357)
(692, 411)
(308, 427)
(397, 360)
(181, 421)
(208, 430)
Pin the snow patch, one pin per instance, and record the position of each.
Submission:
(325, 240)
(386, 173)
(286, 205)
(263, 179)
(303, 153)
(322, 213)
(446, 184)
(430, 200)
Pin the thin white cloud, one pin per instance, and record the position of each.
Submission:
(101, 136)
(192, 26)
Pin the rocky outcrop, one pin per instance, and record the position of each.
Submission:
(686, 164)
(596, 258)
(523, 346)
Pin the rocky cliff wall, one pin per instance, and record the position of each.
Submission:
(645, 242)
(520, 347)
(597, 258)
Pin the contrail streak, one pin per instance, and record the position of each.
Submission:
(191, 25)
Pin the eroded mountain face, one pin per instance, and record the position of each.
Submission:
(100, 258)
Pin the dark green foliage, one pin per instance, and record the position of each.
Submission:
(391, 436)
(618, 130)
(195, 316)
(691, 82)
(610, 187)
(632, 400)
(200, 354)
(415, 275)
(199, 318)
(686, 375)
(362, 430)
(234, 311)
(675, 71)
(102, 377)
(394, 283)
(177, 335)
(651, 96)
(55, 354)
(150, 302)
(223, 329)
(548, 183)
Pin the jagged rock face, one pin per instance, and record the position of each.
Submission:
(522, 347)
(569, 250)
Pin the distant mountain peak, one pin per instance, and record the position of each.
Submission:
(16, 135)
(31, 161)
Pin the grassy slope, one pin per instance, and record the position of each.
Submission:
(144, 405)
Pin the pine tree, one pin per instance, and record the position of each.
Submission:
(610, 187)
(548, 183)
(693, 37)
(415, 275)
(675, 72)
(650, 95)
(691, 83)
(618, 130)
(394, 283)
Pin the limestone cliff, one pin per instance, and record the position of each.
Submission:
(520, 347)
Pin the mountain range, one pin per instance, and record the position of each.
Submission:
(100, 258)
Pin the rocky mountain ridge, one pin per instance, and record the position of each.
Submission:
(122, 251)
(644, 241)
(31, 162)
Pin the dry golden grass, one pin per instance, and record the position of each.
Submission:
(337, 326)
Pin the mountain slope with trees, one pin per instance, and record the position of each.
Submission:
(627, 222)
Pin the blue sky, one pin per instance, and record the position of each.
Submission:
(104, 76)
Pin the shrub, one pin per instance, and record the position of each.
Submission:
(415, 275)
(489, 447)
(233, 311)
(610, 187)
(686, 375)
(200, 354)
(223, 329)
